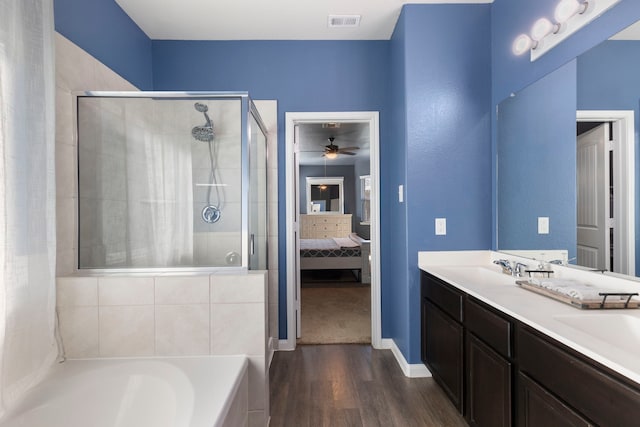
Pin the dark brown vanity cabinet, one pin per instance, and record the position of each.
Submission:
(489, 369)
(443, 335)
(537, 407)
(577, 387)
(501, 372)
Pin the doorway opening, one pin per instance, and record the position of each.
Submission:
(342, 149)
(605, 182)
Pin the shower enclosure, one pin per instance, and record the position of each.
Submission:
(171, 180)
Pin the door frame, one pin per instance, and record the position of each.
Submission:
(293, 285)
(624, 181)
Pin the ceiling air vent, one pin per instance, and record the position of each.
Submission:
(344, 21)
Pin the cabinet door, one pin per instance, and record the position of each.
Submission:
(539, 408)
(589, 389)
(488, 386)
(443, 346)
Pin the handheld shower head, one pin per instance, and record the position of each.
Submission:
(203, 133)
(201, 107)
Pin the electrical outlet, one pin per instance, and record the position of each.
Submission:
(441, 226)
(543, 225)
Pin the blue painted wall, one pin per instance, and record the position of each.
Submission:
(430, 83)
(301, 75)
(394, 289)
(608, 79)
(102, 29)
(537, 164)
(447, 163)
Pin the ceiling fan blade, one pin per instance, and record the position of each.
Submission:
(349, 148)
(347, 153)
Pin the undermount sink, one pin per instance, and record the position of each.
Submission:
(479, 275)
(617, 329)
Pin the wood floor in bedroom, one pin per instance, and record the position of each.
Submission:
(352, 385)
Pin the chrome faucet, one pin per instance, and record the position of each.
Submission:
(519, 269)
(515, 270)
(505, 264)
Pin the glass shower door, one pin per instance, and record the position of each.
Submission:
(257, 196)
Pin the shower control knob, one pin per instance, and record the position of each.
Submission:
(211, 214)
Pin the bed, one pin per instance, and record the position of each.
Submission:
(336, 253)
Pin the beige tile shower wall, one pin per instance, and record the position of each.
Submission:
(76, 70)
(170, 315)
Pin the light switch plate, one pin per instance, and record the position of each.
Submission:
(441, 226)
(401, 193)
(543, 225)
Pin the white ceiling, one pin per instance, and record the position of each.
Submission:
(632, 32)
(266, 20)
(314, 137)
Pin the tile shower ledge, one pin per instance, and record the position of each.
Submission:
(474, 273)
(175, 273)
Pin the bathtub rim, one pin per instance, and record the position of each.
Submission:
(233, 387)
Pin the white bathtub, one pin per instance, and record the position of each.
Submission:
(156, 392)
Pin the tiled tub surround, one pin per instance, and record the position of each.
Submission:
(170, 315)
(474, 273)
(76, 71)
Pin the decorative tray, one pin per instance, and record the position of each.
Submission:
(580, 295)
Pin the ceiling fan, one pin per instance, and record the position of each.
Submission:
(331, 151)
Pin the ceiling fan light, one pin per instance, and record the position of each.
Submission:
(331, 155)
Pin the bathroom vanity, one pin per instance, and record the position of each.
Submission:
(507, 356)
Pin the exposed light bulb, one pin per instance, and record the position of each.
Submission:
(542, 28)
(566, 9)
(522, 44)
(331, 155)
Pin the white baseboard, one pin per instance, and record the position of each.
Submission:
(416, 370)
(271, 349)
(286, 345)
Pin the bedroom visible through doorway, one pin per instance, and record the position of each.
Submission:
(332, 229)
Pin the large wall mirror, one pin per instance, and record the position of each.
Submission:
(325, 195)
(566, 155)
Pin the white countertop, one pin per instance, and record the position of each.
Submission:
(474, 273)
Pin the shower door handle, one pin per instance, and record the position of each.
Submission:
(252, 246)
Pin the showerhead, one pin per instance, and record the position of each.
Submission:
(202, 133)
(201, 107)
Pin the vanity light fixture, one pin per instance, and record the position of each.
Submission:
(569, 17)
(567, 9)
(523, 43)
(542, 28)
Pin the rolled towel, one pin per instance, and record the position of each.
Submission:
(572, 289)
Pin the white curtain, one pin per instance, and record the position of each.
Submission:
(27, 196)
(160, 188)
(159, 184)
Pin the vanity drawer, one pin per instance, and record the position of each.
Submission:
(576, 380)
(489, 326)
(443, 295)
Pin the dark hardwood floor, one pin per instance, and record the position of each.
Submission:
(352, 385)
